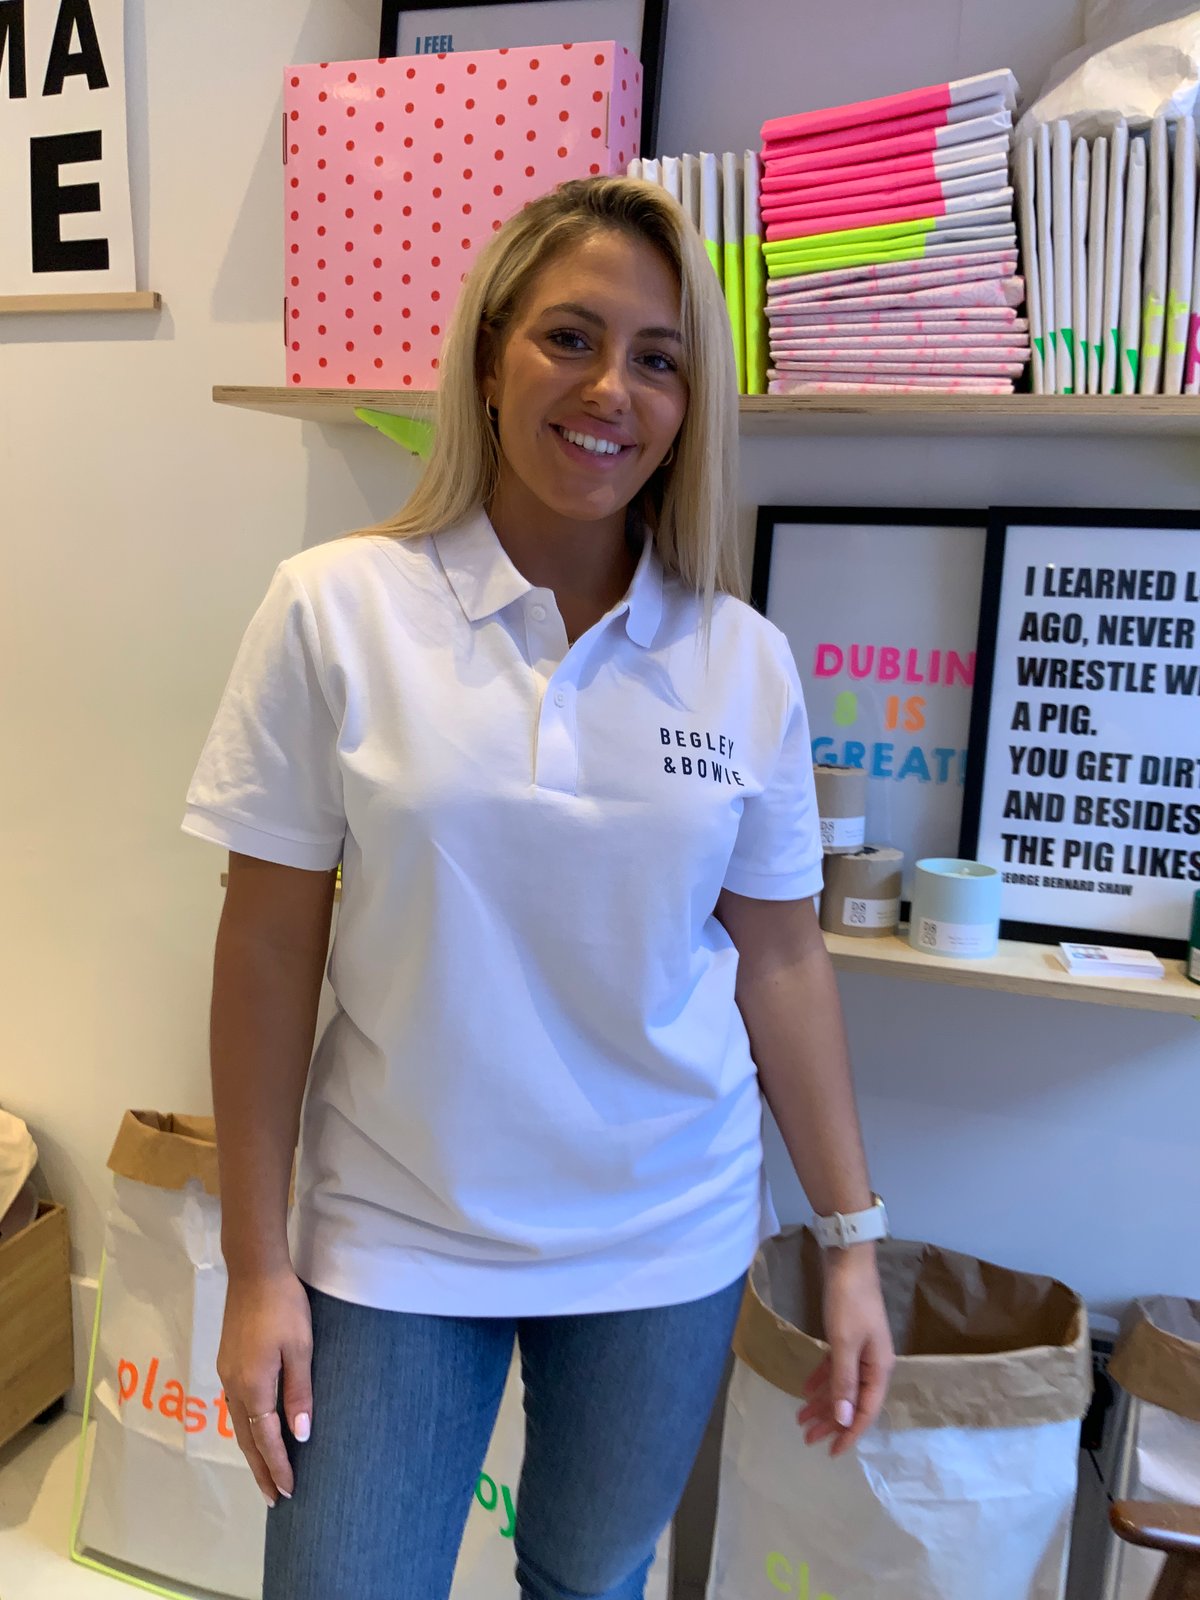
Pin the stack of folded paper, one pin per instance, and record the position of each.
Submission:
(1109, 251)
(891, 244)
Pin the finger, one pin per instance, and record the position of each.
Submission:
(262, 1445)
(267, 1434)
(819, 1379)
(843, 1381)
(819, 1432)
(872, 1390)
(297, 1389)
(254, 1460)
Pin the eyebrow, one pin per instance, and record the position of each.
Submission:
(574, 309)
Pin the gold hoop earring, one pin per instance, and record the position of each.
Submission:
(668, 458)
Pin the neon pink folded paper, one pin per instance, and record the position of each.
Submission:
(931, 318)
(1001, 344)
(900, 283)
(908, 102)
(987, 155)
(910, 185)
(870, 207)
(875, 386)
(991, 292)
(968, 365)
(948, 137)
(885, 128)
(398, 171)
(850, 221)
(924, 273)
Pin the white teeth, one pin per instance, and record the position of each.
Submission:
(585, 441)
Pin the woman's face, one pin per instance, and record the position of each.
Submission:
(589, 383)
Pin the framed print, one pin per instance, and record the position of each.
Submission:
(1083, 784)
(881, 609)
(640, 25)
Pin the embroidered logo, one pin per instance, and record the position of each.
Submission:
(700, 766)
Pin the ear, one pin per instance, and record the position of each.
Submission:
(486, 353)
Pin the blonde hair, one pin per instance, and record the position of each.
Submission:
(690, 505)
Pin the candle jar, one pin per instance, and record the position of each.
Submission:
(955, 908)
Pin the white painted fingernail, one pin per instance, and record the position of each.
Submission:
(302, 1427)
(843, 1413)
(267, 1498)
(285, 1494)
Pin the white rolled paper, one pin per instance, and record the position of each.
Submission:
(955, 908)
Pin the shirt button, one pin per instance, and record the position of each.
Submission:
(560, 698)
(538, 613)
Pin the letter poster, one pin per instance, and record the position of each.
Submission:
(64, 169)
(1084, 784)
(881, 609)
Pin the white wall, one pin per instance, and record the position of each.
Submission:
(140, 527)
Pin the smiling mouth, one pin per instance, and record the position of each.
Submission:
(601, 449)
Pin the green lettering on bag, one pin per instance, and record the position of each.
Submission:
(510, 1513)
(786, 1577)
(489, 1494)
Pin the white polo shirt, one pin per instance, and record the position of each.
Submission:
(536, 1095)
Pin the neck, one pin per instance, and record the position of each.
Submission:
(589, 562)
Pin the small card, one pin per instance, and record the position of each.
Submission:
(1111, 961)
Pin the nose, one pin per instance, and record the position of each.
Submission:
(606, 385)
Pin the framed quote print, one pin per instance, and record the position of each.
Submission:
(881, 609)
(640, 25)
(1083, 781)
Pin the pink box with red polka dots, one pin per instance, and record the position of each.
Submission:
(397, 171)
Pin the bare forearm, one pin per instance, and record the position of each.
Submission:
(264, 1014)
(794, 1018)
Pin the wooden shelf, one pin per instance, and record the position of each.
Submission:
(1017, 969)
(1152, 416)
(1014, 969)
(28, 305)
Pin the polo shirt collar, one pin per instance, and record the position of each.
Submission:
(484, 579)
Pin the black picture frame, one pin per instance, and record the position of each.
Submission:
(1001, 520)
(654, 33)
(880, 517)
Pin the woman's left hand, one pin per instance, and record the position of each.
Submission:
(846, 1392)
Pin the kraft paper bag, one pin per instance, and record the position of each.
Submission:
(169, 1495)
(965, 1487)
(1157, 1360)
(486, 1562)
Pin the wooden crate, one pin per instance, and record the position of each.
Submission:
(37, 1355)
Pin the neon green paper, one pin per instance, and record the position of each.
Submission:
(756, 321)
(714, 256)
(736, 304)
(850, 258)
(881, 230)
(410, 432)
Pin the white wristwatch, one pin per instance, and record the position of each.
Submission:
(855, 1227)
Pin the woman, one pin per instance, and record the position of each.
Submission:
(567, 773)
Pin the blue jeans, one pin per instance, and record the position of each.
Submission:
(616, 1405)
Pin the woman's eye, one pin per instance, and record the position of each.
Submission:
(568, 339)
(660, 362)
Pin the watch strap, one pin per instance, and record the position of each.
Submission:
(842, 1229)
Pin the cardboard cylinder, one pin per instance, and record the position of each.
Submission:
(955, 908)
(842, 807)
(861, 897)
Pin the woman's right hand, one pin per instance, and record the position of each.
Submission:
(267, 1329)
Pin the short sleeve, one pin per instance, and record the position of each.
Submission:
(268, 782)
(777, 854)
